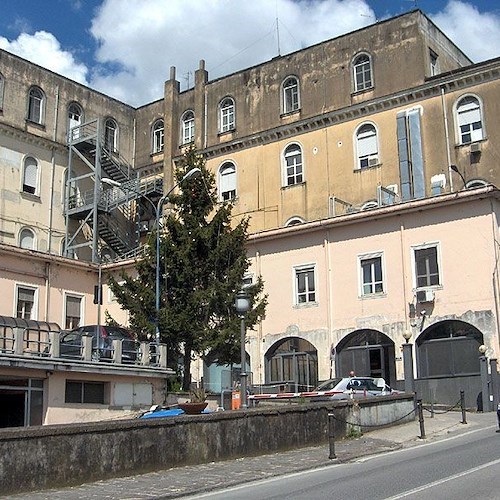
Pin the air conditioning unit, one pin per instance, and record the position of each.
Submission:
(425, 296)
(372, 162)
(475, 147)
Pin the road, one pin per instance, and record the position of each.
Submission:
(464, 466)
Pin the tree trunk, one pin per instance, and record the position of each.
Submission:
(186, 376)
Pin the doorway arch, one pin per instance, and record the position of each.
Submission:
(448, 348)
(368, 353)
(292, 360)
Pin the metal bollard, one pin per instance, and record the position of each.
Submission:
(421, 419)
(498, 417)
(331, 436)
(462, 405)
(432, 409)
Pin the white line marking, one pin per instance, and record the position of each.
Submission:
(444, 480)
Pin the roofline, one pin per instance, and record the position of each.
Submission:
(440, 201)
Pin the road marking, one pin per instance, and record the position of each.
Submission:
(423, 443)
(442, 481)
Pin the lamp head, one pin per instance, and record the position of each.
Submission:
(407, 335)
(242, 302)
(482, 349)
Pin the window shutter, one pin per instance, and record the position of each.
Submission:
(417, 159)
(404, 164)
(469, 113)
(26, 295)
(367, 143)
(30, 173)
(73, 306)
(228, 179)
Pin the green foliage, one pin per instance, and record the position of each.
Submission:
(109, 320)
(202, 261)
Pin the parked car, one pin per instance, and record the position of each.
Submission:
(352, 387)
(71, 342)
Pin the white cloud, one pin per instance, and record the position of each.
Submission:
(44, 49)
(476, 33)
(143, 39)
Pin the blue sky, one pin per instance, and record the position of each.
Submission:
(125, 48)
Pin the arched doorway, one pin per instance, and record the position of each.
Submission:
(293, 361)
(368, 353)
(447, 349)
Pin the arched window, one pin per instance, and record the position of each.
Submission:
(291, 95)
(362, 72)
(75, 118)
(294, 221)
(2, 86)
(227, 119)
(476, 183)
(36, 104)
(227, 181)
(27, 239)
(292, 165)
(187, 127)
(469, 119)
(158, 136)
(111, 135)
(366, 146)
(30, 176)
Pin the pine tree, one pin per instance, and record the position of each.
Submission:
(202, 261)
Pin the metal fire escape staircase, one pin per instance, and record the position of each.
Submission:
(102, 219)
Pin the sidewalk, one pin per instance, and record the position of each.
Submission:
(182, 481)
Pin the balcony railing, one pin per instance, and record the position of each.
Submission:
(47, 345)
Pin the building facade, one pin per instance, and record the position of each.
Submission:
(358, 158)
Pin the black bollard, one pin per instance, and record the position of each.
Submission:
(331, 436)
(498, 417)
(421, 419)
(462, 405)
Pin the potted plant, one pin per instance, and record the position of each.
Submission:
(197, 402)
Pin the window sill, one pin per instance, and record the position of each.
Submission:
(369, 167)
(32, 197)
(291, 186)
(305, 305)
(226, 132)
(356, 93)
(290, 113)
(376, 295)
(468, 144)
(233, 201)
(41, 126)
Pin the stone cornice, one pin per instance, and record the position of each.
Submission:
(449, 82)
(17, 133)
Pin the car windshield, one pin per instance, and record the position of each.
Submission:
(328, 385)
(118, 333)
(364, 383)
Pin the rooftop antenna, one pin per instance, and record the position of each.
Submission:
(278, 29)
(187, 77)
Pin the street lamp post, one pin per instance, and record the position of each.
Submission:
(242, 305)
(194, 172)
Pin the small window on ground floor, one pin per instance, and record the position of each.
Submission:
(84, 392)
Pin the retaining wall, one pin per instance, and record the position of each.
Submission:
(54, 456)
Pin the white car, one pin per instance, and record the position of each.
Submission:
(352, 388)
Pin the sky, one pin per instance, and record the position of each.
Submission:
(125, 48)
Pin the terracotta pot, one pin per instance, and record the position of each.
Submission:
(193, 408)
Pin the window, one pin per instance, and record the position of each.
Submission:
(362, 69)
(411, 159)
(370, 267)
(73, 312)
(187, 127)
(226, 115)
(438, 184)
(75, 118)
(292, 165)
(30, 176)
(469, 120)
(476, 183)
(294, 221)
(227, 182)
(36, 103)
(426, 266)
(433, 57)
(305, 288)
(2, 86)
(27, 239)
(84, 392)
(366, 146)
(158, 136)
(110, 135)
(25, 302)
(291, 98)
